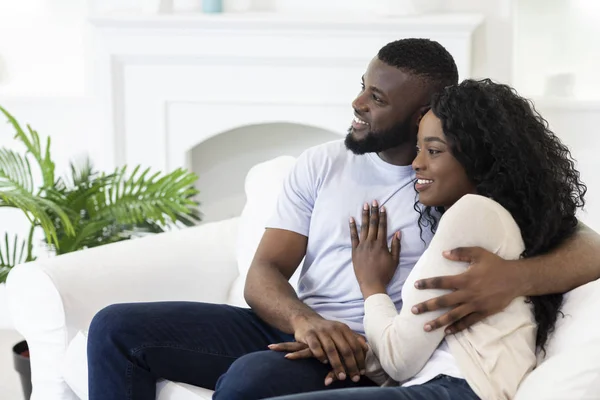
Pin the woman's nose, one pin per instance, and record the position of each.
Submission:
(417, 163)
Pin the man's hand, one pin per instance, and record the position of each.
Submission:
(486, 288)
(330, 342)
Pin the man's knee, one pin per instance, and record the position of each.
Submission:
(268, 374)
(108, 323)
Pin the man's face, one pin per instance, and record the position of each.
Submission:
(386, 110)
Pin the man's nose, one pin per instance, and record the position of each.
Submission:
(360, 105)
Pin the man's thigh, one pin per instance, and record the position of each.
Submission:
(268, 373)
(180, 341)
(440, 388)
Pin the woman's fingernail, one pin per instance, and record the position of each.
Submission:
(362, 372)
(415, 310)
(328, 381)
(374, 203)
(355, 378)
(448, 331)
(341, 376)
(382, 208)
(325, 361)
(351, 220)
(366, 206)
(427, 328)
(271, 346)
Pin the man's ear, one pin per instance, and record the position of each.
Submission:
(421, 113)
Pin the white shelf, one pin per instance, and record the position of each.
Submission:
(273, 20)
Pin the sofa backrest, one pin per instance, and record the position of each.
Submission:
(571, 367)
(263, 184)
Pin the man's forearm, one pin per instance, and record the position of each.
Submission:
(574, 263)
(274, 300)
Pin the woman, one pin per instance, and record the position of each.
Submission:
(500, 179)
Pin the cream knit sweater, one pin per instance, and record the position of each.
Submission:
(495, 354)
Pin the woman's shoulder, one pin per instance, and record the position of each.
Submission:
(475, 205)
(476, 220)
(480, 215)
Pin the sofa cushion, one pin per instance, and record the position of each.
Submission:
(571, 367)
(262, 186)
(75, 372)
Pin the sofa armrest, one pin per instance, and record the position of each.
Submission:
(50, 300)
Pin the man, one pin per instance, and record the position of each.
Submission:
(132, 345)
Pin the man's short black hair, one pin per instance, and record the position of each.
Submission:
(424, 58)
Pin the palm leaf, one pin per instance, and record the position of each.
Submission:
(139, 198)
(38, 211)
(31, 140)
(11, 254)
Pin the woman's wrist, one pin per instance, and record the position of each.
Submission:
(371, 288)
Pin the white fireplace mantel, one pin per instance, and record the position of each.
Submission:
(170, 82)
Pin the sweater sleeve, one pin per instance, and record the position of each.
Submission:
(398, 340)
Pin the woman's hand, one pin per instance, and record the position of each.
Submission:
(374, 263)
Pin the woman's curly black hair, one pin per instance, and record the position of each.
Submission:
(512, 157)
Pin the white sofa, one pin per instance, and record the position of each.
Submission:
(52, 301)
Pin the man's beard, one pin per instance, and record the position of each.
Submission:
(378, 141)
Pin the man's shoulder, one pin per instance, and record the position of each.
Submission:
(328, 150)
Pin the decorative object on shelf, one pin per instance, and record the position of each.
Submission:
(560, 85)
(212, 6)
(83, 210)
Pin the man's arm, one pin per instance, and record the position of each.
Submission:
(574, 263)
(267, 289)
(271, 296)
(491, 283)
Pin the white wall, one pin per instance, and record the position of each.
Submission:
(43, 80)
(42, 47)
(576, 126)
(559, 36)
(492, 48)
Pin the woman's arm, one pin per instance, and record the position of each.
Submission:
(398, 340)
(492, 282)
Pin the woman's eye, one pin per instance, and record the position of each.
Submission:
(433, 152)
(418, 150)
(377, 99)
(362, 86)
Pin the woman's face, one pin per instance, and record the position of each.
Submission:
(441, 179)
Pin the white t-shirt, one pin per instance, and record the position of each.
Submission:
(328, 185)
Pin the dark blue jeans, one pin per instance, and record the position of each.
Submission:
(441, 388)
(131, 346)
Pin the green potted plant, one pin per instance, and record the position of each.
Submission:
(84, 209)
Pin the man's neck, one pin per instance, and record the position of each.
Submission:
(401, 155)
